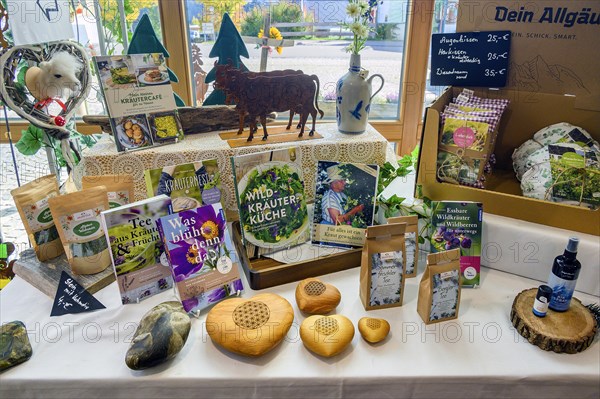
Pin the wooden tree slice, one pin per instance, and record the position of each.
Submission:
(562, 332)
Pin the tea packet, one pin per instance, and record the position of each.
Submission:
(77, 217)
(411, 237)
(382, 267)
(119, 188)
(439, 289)
(31, 201)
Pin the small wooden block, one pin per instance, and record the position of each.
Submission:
(327, 335)
(250, 327)
(277, 134)
(315, 297)
(373, 330)
(272, 130)
(45, 275)
(562, 332)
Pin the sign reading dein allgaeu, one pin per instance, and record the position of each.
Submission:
(478, 59)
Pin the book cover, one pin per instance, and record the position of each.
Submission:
(136, 250)
(202, 256)
(458, 225)
(139, 98)
(189, 185)
(271, 199)
(344, 203)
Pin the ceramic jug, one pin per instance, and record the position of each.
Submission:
(353, 98)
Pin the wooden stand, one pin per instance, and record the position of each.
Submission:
(266, 272)
(45, 276)
(562, 332)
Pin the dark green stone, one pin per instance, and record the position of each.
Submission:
(14, 345)
(159, 337)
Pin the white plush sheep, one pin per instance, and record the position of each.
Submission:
(56, 77)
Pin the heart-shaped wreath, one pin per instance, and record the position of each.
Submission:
(17, 97)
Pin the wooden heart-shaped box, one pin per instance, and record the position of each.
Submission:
(250, 327)
(20, 100)
(327, 335)
(316, 297)
(373, 330)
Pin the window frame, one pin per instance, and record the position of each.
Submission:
(405, 131)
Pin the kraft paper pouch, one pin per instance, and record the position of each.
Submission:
(31, 200)
(119, 187)
(382, 267)
(439, 289)
(77, 217)
(412, 242)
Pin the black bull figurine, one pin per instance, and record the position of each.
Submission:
(257, 94)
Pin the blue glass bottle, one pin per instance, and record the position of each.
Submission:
(563, 277)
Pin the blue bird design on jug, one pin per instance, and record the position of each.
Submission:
(354, 96)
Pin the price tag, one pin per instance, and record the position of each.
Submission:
(478, 59)
(71, 297)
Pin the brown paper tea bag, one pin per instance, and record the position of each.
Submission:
(31, 200)
(77, 217)
(119, 187)
(382, 266)
(412, 242)
(439, 289)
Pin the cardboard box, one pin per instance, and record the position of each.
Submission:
(548, 52)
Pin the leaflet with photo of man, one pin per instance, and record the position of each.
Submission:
(344, 203)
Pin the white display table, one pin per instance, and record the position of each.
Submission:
(478, 355)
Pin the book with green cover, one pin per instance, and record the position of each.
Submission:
(136, 250)
(270, 195)
(458, 225)
(189, 185)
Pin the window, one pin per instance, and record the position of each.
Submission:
(444, 21)
(319, 44)
(102, 27)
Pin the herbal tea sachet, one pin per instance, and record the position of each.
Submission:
(119, 188)
(439, 289)
(77, 217)
(412, 242)
(383, 266)
(31, 201)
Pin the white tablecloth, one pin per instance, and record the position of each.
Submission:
(477, 355)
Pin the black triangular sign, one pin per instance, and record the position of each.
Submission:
(71, 297)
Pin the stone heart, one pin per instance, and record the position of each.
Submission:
(327, 335)
(373, 330)
(250, 327)
(22, 103)
(315, 297)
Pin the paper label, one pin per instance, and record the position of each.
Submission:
(464, 137)
(386, 278)
(411, 250)
(118, 198)
(38, 215)
(444, 299)
(575, 174)
(82, 226)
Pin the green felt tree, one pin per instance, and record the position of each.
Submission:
(229, 47)
(144, 41)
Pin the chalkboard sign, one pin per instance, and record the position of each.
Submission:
(478, 59)
(71, 297)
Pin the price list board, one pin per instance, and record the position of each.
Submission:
(478, 59)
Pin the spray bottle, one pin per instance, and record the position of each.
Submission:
(563, 277)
